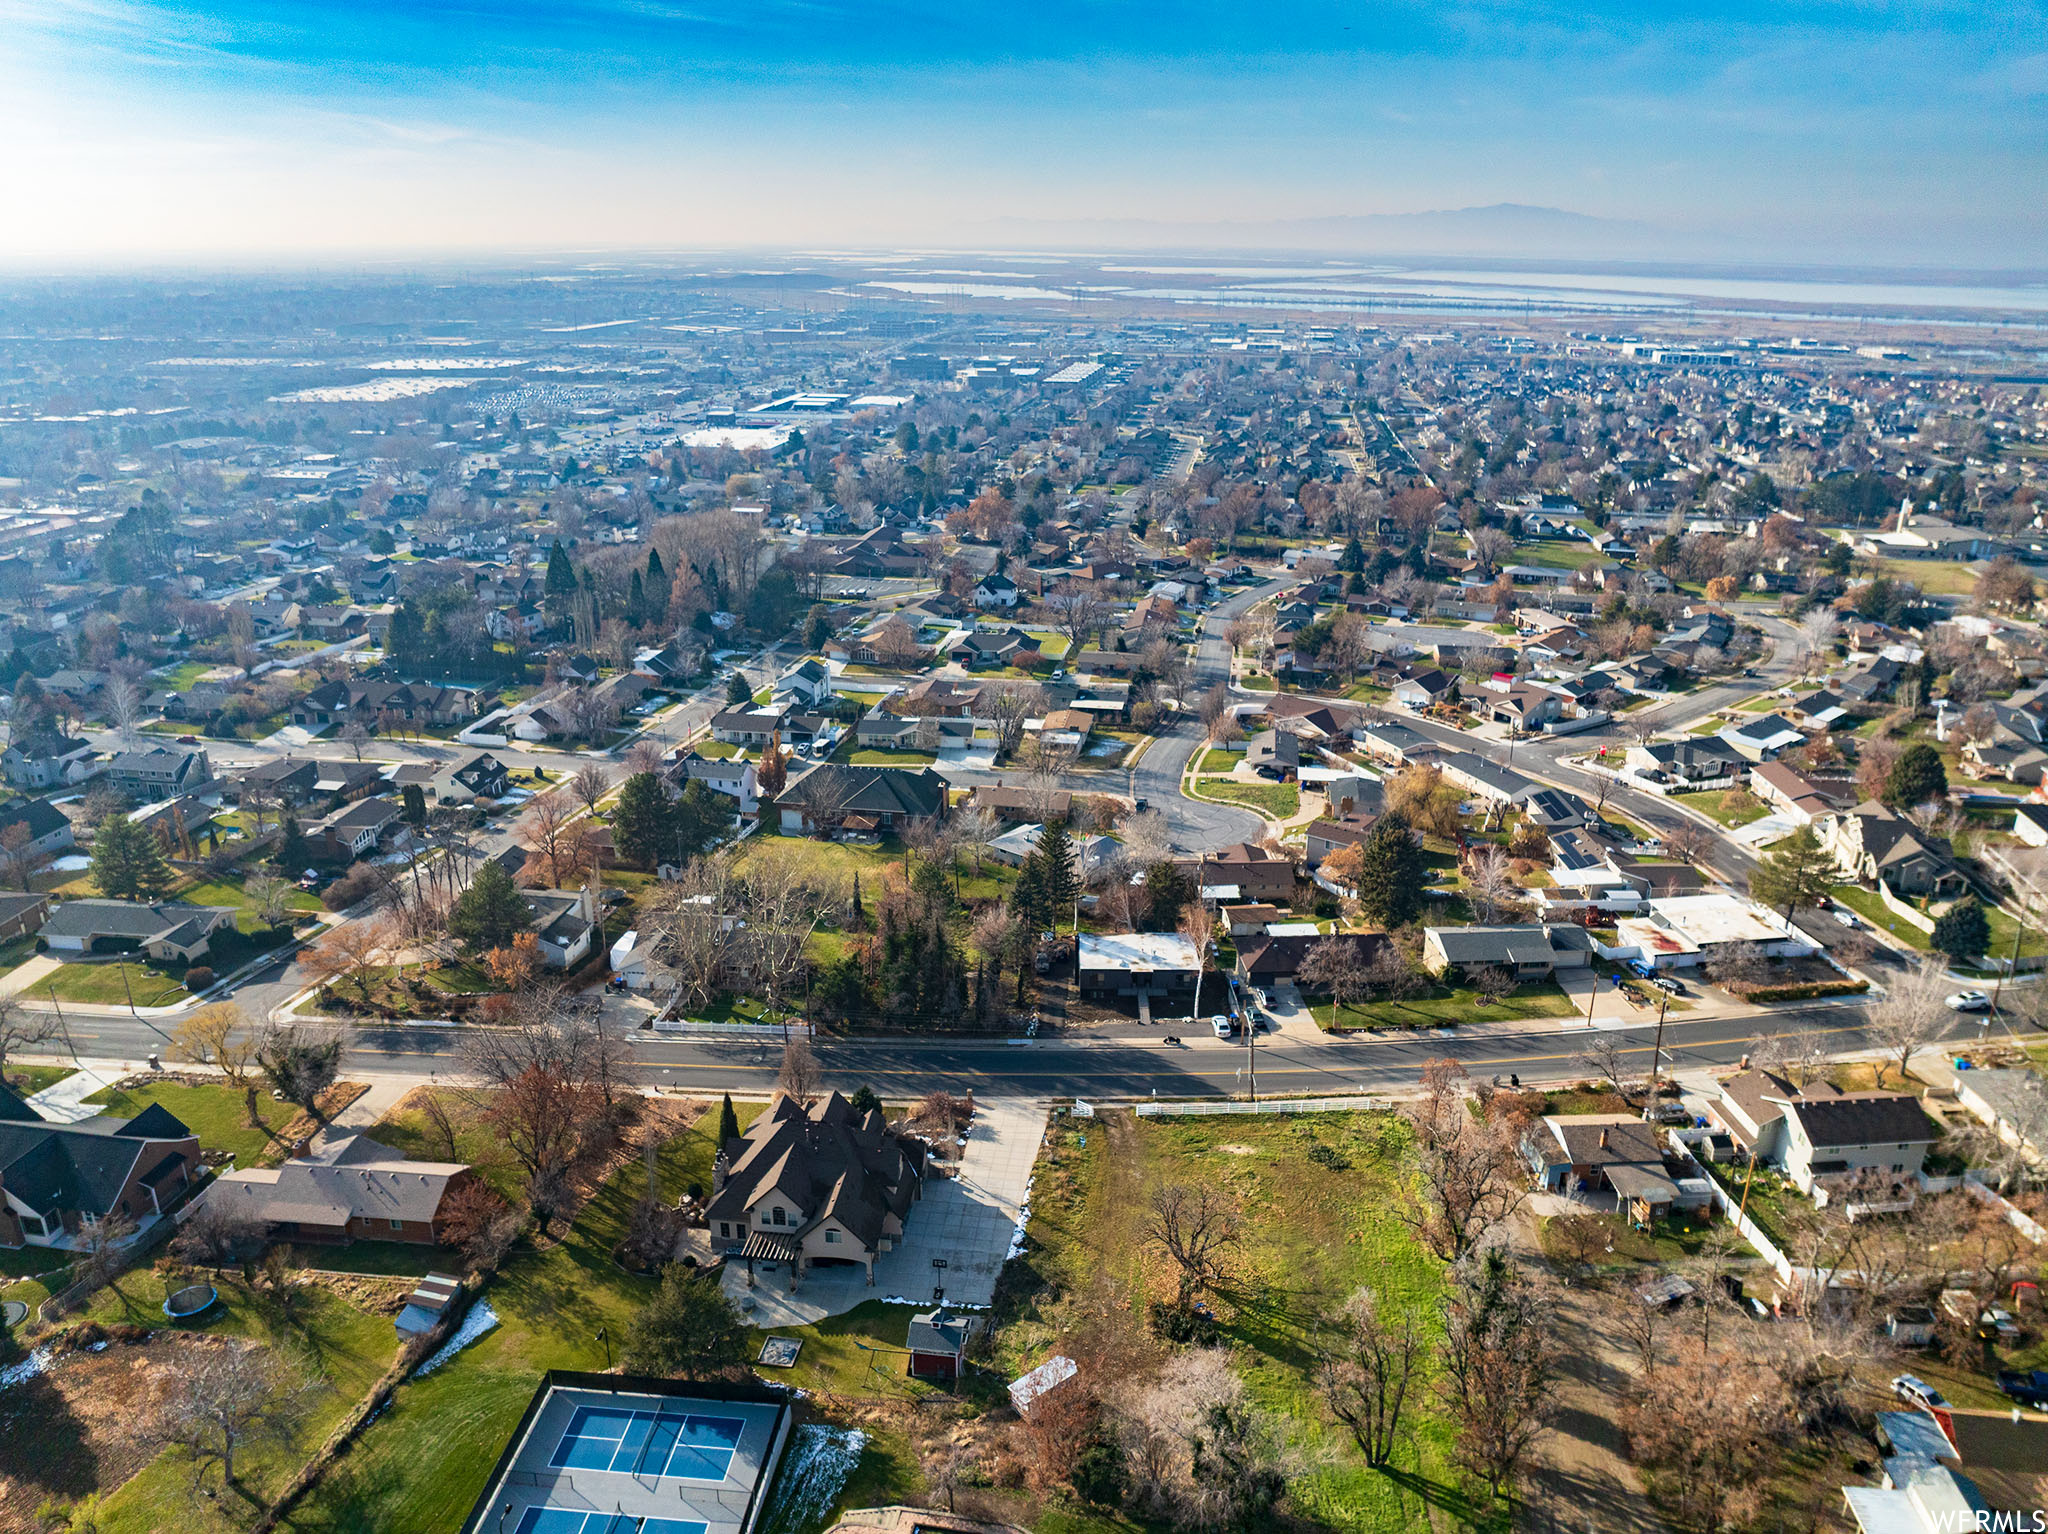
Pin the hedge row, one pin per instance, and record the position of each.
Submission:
(1804, 990)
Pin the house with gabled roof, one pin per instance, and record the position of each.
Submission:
(1872, 844)
(816, 1186)
(168, 930)
(57, 1181)
(836, 797)
(344, 1187)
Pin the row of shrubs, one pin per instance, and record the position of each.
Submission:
(1804, 990)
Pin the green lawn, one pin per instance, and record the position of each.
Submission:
(113, 984)
(850, 750)
(476, 1143)
(217, 1114)
(344, 1347)
(31, 1079)
(1442, 1007)
(17, 950)
(1258, 681)
(417, 1469)
(1339, 1178)
(718, 750)
(1731, 807)
(229, 890)
(2032, 941)
(1279, 800)
(1866, 904)
(1668, 1240)
(1219, 761)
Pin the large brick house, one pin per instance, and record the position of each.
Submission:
(345, 1187)
(814, 1186)
(59, 1180)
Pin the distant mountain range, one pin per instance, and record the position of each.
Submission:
(1499, 229)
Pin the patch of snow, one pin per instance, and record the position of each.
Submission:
(481, 1319)
(815, 1469)
(72, 863)
(36, 1363)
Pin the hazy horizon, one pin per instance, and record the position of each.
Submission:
(1877, 135)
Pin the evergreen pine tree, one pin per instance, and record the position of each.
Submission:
(128, 863)
(1390, 883)
(644, 821)
(1916, 777)
(856, 912)
(415, 800)
(1354, 555)
(1962, 932)
(1799, 872)
(1028, 897)
(491, 912)
(293, 851)
(728, 1123)
(561, 576)
(636, 601)
(1056, 855)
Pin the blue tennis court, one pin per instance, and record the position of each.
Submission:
(685, 1447)
(562, 1520)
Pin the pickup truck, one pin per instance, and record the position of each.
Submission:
(2029, 1387)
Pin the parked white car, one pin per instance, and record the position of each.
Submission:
(1223, 1026)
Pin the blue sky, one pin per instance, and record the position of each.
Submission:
(1846, 131)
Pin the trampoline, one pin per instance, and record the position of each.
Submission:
(13, 1313)
(562, 1520)
(690, 1447)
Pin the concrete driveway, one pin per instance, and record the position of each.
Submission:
(968, 1222)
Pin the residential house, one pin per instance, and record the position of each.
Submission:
(354, 831)
(1552, 809)
(1160, 967)
(1524, 706)
(1873, 684)
(816, 1186)
(1244, 921)
(1486, 780)
(1020, 805)
(1268, 960)
(47, 759)
(481, 777)
(566, 924)
(1681, 931)
(31, 828)
(343, 1187)
(1253, 872)
(1871, 844)
(1760, 739)
(1274, 754)
(22, 914)
(734, 776)
(1791, 795)
(168, 930)
(1595, 1152)
(835, 798)
(1424, 689)
(1326, 835)
(1529, 952)
(1820, 710)
(1697, 759)
(1397, 744)
(982, 649)
(1818, 1131)
(995, 590)
(809, 682)
(370, 703)
(59, 1181)
(161, 772)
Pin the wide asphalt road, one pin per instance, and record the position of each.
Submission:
(1086, 1065)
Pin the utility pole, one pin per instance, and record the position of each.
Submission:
(69, 1042)
(1656, 1054)
(2013, 966)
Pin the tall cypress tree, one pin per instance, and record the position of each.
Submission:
(561, 577)
(636, 601)
(1390, 883)
(728, 1123)
(1056, 855)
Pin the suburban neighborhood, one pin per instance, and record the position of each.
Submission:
(976, 919)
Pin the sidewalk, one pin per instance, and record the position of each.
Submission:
(65, 1102)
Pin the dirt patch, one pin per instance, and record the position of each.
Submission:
(380, 1296)
(1239, 1150)
(85, 1426)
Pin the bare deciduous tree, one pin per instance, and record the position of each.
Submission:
(1364, 1380)
(1196, 1227)
(22, 1029)
(226, 1400)
(1493, 887)
(1472, 1169)
(1500, 1364)
(593, 780)
(799, 1078)
(1911, 1015)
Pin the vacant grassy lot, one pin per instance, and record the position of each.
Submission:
(219, 1115)
(1279, 800)
(1447, 1005)
(420, 1465)
(1320, 1194)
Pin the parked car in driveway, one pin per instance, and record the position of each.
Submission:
(1912, 1388)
